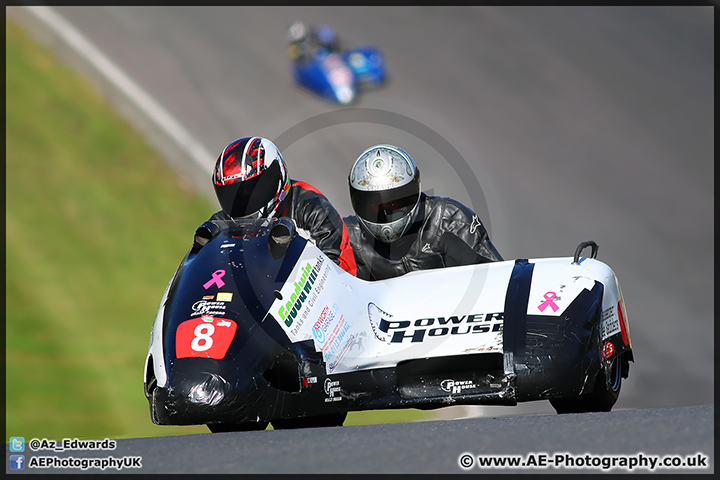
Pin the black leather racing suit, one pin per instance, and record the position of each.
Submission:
(311, 212)
(445, 234)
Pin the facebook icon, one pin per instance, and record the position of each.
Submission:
(17, 462)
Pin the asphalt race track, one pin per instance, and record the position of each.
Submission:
(567, 443)
(556, 124)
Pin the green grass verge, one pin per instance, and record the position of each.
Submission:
(96, 224)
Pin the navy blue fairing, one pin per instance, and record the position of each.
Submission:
(561, 355)
(551, 356)
(251, 276)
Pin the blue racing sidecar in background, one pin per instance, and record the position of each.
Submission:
(335, 74)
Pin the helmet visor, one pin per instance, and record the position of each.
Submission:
(243, 198)
(385, 206)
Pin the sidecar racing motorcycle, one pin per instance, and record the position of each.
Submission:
(258, 326)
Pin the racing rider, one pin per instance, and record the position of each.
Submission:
(397, 228)
(306, 41)
(327, 38)
(299, 48)
(251, 181)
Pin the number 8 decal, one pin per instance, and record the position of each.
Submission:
(204, 337)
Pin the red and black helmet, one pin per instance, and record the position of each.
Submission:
(250, 178)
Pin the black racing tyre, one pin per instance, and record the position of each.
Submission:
(237, 427)
(153, 405)
(604, 395)
(329, 420)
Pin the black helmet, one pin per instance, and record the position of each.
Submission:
(250, 178)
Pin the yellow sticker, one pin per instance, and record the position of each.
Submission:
(224, 297)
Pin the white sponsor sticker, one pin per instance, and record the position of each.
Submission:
(610, 322)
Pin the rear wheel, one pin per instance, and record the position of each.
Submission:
(604, 395)
(329, 420)
(237, 427)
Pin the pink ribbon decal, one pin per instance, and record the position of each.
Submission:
(216, 279)
(549, 297)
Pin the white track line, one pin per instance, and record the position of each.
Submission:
(71, 36)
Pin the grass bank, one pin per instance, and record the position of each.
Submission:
(95, 226)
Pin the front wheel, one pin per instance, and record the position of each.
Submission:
(604, 395)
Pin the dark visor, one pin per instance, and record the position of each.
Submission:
(243, 198)
(385, 206)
